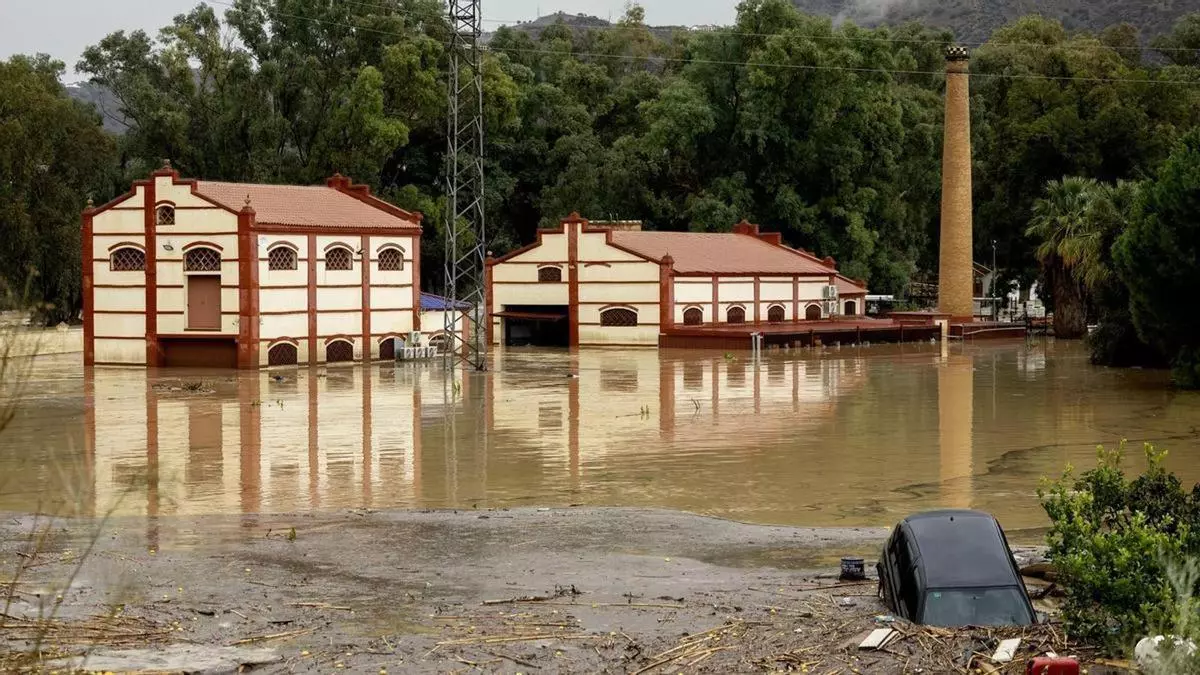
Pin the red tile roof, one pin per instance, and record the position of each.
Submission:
(307, 206)
(720, 253)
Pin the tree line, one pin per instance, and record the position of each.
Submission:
(828, 134)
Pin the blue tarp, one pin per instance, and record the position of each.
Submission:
(437, 303)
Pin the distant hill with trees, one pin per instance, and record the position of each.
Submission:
(971, 21)
(976, 20)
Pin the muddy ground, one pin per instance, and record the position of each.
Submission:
(566, 590)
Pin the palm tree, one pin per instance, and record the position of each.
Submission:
(1065, 222)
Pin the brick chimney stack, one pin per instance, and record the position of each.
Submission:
(956, 255)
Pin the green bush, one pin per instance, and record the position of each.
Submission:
(1112, 539)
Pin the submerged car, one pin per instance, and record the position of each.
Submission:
(953, 568)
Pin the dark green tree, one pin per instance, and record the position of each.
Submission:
(1158, 259)
(53, 157)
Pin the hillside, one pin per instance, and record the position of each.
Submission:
(974, 21)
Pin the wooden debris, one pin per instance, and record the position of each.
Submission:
(1007, 650)
(877, 639)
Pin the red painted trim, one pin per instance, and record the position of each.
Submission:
(89, 293)
(123, 244)
(165, 202)
(795, 298)
(112, 203)
(282, 287)
(276, 244)
(384, 246)
(283, 312)
(312, 298)
(757, 302)
(338, 244)
(716, 298)
(140, 338)
(366, 301)
(751, 273)
(150, 224)
(572, 226)
(363, 194)
(122, 286)
(416, 283)
(336, 230)
(248, 297)
(488, 302)
(126, 311)
(529, 247)
(208, 244)
(271, 342)
(339, 337)
(167, 232)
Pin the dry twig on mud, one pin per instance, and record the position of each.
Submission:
(106, 630)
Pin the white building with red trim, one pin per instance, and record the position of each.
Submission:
(181, 272)
(614, 284)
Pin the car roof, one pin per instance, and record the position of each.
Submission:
(961, 549)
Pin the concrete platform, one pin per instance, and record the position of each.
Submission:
(796, 334)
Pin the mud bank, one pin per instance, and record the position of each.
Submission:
(523, 590)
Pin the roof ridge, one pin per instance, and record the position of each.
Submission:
(202, 181)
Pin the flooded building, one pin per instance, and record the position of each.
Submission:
(613, 284)
(182, 272)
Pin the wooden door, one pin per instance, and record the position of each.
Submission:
(204, 302)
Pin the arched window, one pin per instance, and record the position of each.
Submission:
(281, 258)
(812, 313)
(339, 258)
(283, 354)
(202, 260)
(618, 316)
(693, 316)
(549, 274)
(391, 260)
(735, 315)
(339, 351)
(438, 341)
(165, 215)
(127, 259)
(387, 349)
(851, 308)
(775, 313)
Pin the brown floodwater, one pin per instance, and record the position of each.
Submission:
(846, 437)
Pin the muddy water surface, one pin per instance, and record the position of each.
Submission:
(857, 436)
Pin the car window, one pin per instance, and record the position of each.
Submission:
(975, 607)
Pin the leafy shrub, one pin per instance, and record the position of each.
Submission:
(1112, 540)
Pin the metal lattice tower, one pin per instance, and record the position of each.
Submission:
(466, 235)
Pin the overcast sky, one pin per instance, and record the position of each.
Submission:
(62, 28)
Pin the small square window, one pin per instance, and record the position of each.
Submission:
(165, 215)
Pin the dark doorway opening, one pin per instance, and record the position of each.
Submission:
(199, 352)
(535, 326)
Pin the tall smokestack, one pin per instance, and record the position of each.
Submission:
(955, 280)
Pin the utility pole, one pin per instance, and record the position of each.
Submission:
(466, 234)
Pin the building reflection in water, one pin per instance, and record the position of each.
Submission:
(849, 437)
(407, 435)
(956, 397)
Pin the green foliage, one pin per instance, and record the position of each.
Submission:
(1111, 540)
(1158, 259)
(53, 157)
